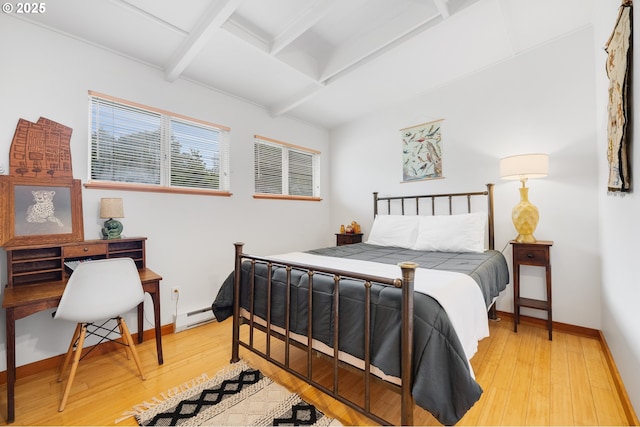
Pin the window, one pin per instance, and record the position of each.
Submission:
(150, 149)
(283, 170)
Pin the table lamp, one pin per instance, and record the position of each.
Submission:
(111, 208)
(525, 215)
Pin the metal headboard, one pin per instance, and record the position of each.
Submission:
(488, 193)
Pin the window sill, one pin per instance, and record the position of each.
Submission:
(286, 197)
(127, 186)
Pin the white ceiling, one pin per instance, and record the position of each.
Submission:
(323, 61)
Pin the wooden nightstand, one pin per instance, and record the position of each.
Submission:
(348, 238)
(536, 254)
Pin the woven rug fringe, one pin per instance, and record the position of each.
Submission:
(158, 400)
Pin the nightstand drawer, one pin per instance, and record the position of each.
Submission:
(84, 250)
(528, 255)
(348, 239)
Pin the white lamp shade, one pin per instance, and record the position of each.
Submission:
(524, 166)
(111, 208)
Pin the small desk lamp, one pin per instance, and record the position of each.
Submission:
(525, 215)
(111, 208)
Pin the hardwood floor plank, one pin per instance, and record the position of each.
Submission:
(516, 408)
(581, 397)
(539, 405)
(493, 403)
(485, 368)
(504, 374)
(523, 372)
(561, 413)
(573, 343)
(515, 411)
(560, 394)
(597, 368)
(607, 407)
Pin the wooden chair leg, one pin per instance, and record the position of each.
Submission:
(67, 358)
(132, 347)
(74, 366)
(127, 349)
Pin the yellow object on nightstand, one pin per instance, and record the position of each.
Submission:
(525, 215)
(525, 218)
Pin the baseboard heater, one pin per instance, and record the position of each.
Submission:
(192, 319)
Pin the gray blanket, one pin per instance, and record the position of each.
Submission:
(442, 381)
(489, 269)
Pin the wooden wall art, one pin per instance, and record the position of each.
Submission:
(41, 149)
(619, 49)
(40, 202)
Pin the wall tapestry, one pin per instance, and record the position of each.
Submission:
(619, 48)
(422, 151)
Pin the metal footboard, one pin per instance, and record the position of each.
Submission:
(406, 283)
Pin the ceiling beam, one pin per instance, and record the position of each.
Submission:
(442, 8)
(212, 19)
(304, 22)
(247, 32)
(289, 104)
(357, 53)
(349, 58)
(126, 4)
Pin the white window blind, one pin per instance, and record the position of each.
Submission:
(136, 144)
(300, 173)
(284, 169)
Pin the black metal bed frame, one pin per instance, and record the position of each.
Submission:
(406, 283)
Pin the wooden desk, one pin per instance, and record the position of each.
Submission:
(24, 300)
(44, 266)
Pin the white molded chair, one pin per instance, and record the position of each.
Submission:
(98, 291)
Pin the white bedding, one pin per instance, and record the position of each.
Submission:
(457, 293)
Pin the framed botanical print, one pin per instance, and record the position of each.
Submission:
(422, 151)
(40, 210)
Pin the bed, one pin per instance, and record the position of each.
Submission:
(398, 309)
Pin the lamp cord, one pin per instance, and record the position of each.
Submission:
(145, 312)
(177, 299)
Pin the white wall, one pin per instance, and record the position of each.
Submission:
(190, 238)
(540, 101)
(619, 228)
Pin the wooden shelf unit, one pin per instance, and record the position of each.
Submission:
(44, 263)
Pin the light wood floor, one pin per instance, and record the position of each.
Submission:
(527, 380)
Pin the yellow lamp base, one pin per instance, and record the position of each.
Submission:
(525, 218)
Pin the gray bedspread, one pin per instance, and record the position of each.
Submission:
(489, 269)
(442, 382)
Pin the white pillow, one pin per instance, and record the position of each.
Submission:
(451, 233)
(394, 230)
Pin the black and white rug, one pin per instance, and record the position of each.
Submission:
(236, 396)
